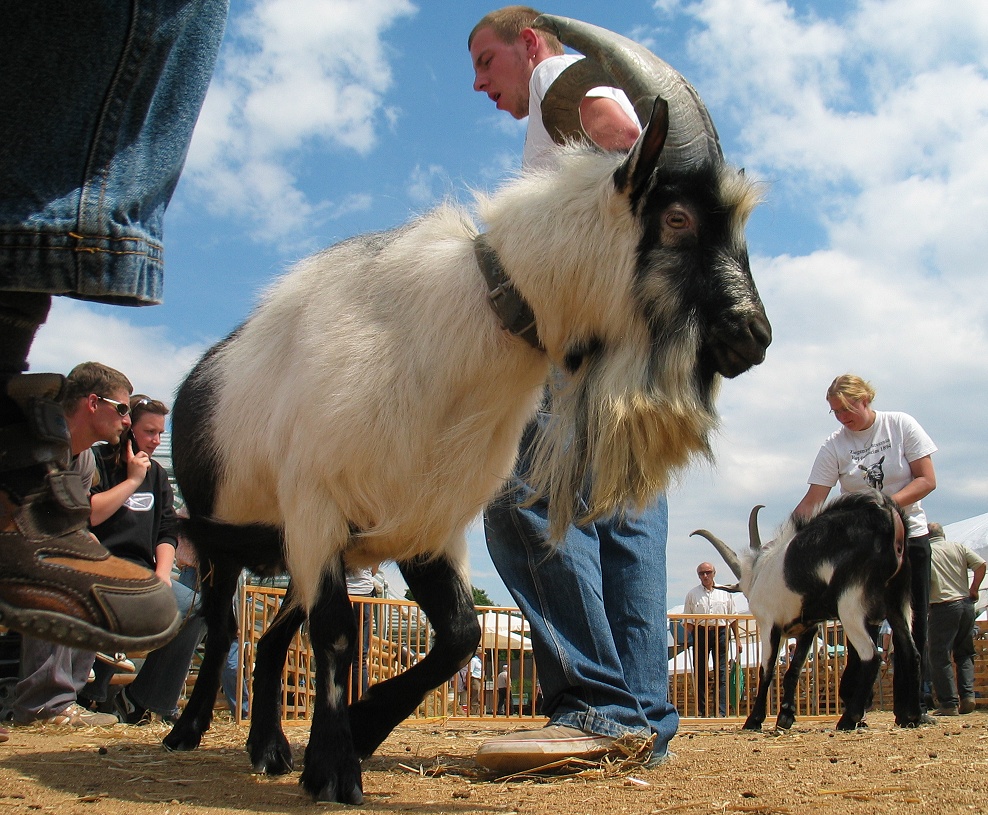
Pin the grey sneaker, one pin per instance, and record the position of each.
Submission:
(530, 749)
(75, 715)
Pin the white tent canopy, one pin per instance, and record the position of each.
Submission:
(504, 632)
(973, 533)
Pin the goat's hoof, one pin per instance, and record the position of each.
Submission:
(336, 790)
(272, 759)
(751, 724)
(785, 723)
(182, 739)
(918, 721)
(847, 723)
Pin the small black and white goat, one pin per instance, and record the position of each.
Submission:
(374, 402)
(845, 563)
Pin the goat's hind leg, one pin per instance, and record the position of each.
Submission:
(787, 709)
(906, 677)
(447, 601)
(766, 673)
(219, 584)
(267, 746)
(859, 673)
(332, 771)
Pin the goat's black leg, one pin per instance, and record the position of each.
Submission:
(219, 584)
(859, 672)
(787, 709)
(906, 678)
(332, 771)
(447, 601)
(855, 687)
(766, 673)
(267, 746)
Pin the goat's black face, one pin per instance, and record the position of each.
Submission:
(694, 282)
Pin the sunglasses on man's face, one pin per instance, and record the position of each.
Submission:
(121, 407)
(707, 571)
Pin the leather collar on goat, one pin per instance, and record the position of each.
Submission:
(514, 314)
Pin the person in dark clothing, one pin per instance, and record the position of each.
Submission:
(134, 518)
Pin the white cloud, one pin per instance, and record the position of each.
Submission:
(77, 332)
(293, 75)
(426, 185)
(871, 122)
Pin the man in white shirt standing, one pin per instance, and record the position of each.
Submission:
(595, 602)
(710, 636)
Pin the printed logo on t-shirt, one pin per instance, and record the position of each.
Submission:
(140, 502)
(874, 474)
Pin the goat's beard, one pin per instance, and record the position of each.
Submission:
(618, 429)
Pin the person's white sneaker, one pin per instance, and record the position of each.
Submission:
(530, 749)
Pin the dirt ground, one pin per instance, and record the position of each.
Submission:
(428, 768)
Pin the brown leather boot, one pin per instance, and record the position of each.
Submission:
(56, 581)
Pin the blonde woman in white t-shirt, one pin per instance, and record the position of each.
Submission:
(883, 450)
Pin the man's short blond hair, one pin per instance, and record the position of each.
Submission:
(93, 377)
(508, 23)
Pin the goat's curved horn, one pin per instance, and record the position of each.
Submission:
(730, 557)
(613, 60)
(754, 539)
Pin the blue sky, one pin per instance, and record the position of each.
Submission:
(867, 122)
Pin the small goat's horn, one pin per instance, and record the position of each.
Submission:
(613, 60)
(754, 539)
(730, 557)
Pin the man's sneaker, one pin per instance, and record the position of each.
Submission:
(968, 705)
(128, 711)
(56, 581)
(4, 734)
(530, 749)
(75, 715)
(946, 711)
(118, 661)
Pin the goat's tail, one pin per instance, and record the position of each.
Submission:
(898, 536)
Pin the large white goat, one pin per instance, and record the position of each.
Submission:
(373, 403)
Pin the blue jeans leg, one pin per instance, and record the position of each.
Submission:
(160, 682)
(229, 680)
(596, 604)
(99, 101)
(964, 651)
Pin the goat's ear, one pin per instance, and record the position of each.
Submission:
(637, 169)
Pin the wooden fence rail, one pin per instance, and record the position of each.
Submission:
(395, 634)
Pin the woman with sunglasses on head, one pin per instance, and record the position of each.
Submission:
(884, 450)
(134, 518)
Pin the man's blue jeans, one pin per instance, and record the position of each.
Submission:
(952, 643)
(99, 101)
(596, 604)
(229, 681)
